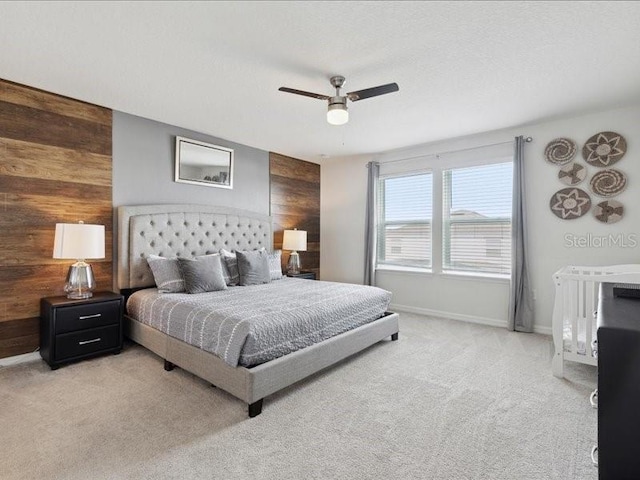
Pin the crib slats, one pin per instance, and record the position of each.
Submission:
(578, 289)
(588, 316)
(576, 300)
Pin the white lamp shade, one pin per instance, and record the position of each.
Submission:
(78, 241)
(295, 240)
(337, 115)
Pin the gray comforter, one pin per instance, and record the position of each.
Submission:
(252, 325)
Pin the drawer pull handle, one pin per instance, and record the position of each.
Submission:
(94, 340)
(85, 317)
(594, 451)
(593, 398)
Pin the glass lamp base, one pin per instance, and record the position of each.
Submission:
(80, 294)
(293, 267)
(80, 281)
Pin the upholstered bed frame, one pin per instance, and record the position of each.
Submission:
(191, 230)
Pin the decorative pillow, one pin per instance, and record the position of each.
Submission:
(230, 267)
(166, 273)
(275, 265)
(253, 267)
(202, 274)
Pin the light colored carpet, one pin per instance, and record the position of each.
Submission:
(450, 400)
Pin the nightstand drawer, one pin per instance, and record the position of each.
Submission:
(82, 343)
(80, 317)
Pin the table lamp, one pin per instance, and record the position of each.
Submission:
(294, 240)
(79, 241)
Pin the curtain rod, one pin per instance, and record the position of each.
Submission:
(526, 139)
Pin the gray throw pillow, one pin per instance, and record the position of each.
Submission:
(253, 267)
(230, 267)
(166, 274)
(202, 274)
(275, 265)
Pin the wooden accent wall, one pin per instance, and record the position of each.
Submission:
(295, 203)
(55, 167)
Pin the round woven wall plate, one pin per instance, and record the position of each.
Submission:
(609, 211)
(604, 149)
(570, 203)
(572, 174)
(560, 151)
(608, 183)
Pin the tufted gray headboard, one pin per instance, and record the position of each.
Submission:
(182, 230)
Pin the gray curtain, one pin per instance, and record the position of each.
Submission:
(521, 311)
(370, 224)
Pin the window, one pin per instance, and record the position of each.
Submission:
(448, 212)
(404, 220)
(476, 223)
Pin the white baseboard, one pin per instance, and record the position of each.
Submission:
(492, 322)
(542, 330)
(16, 359)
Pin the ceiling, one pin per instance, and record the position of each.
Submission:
(215, 67)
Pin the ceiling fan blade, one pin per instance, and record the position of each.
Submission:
(373, 92)
(306, 94)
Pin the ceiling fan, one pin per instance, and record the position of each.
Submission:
(337, 113)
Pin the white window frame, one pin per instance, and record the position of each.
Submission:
(436, 164)
(380, 224)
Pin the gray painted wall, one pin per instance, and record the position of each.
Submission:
(143, 168)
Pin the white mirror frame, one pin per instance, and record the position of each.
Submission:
(203, 155)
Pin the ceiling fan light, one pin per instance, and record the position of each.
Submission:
(337, 114)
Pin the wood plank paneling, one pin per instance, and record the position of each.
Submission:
(19, 336)
(26, 284)
(50, 102)
(295, 203)
(52, 188)
(31, 160)
(37, 126)
(55, 167)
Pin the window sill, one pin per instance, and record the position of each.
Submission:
(401, 269)
(469, 276)
(488, 277)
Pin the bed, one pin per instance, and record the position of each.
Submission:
(194, 230)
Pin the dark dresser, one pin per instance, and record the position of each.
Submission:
(618, 386)
(75, 329)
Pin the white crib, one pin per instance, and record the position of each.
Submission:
(575, 310)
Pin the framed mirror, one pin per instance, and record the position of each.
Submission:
(201, 163)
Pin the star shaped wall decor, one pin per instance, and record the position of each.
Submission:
(570, 203)
(604, 149)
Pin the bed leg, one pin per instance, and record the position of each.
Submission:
(255, 408)
(168, 366)
(394, 337)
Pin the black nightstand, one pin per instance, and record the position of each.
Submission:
(75, 329)
(304, 274)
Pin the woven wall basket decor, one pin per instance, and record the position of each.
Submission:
(604, 149)
(570, 203)
(560, 151)
(609, 211)
(572, 174)
(608, 183)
